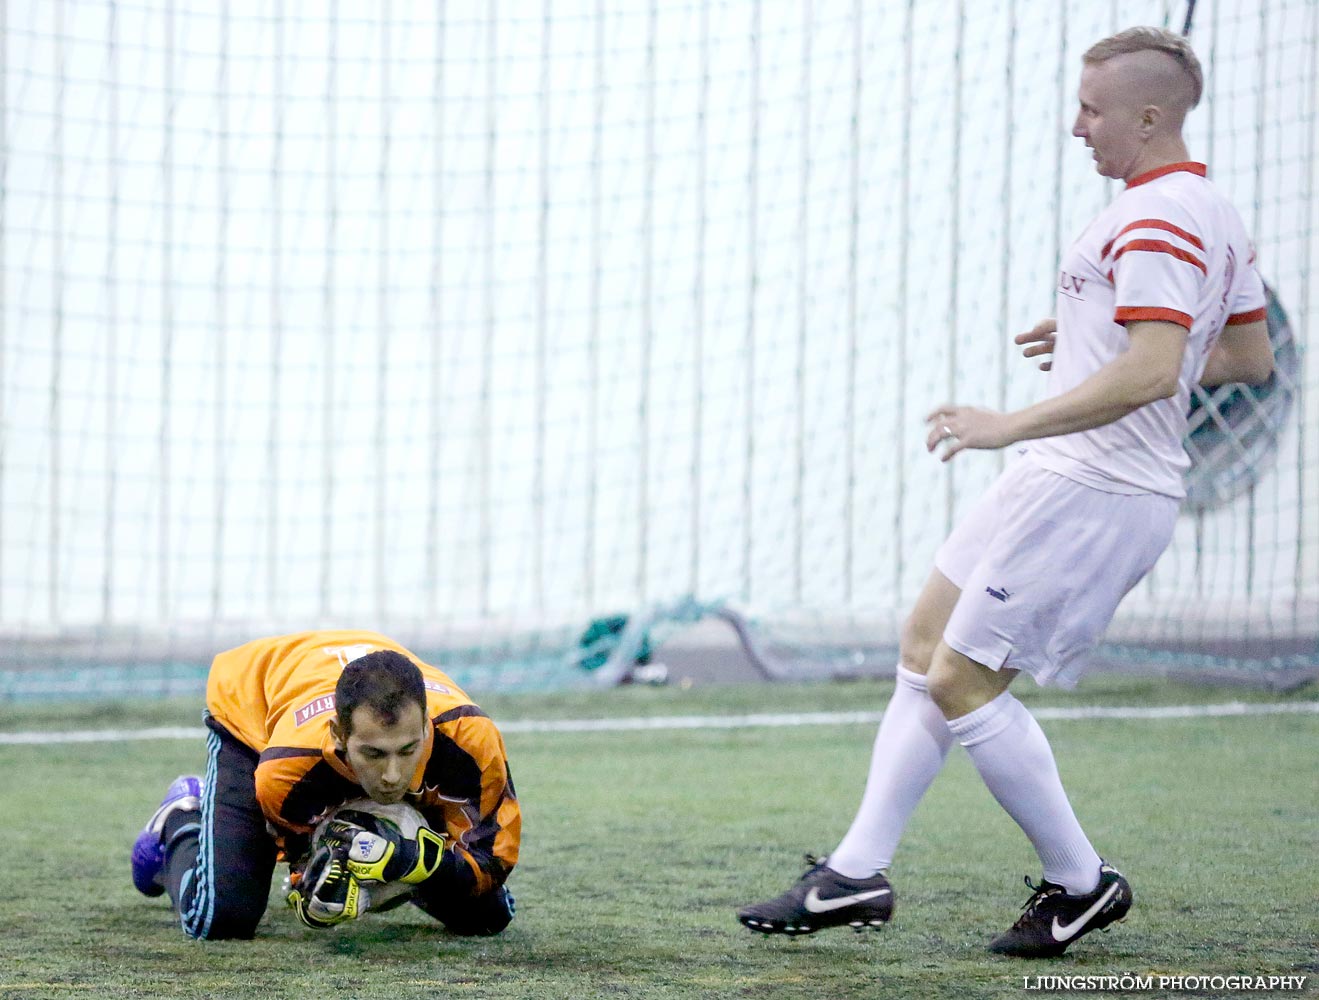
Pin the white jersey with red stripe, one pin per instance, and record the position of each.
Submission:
(1172, 248)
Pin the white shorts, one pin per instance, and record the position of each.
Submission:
(1042, 563)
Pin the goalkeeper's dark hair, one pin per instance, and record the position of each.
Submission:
(384, 681)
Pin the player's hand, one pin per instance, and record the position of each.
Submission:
(1039, 340)
(960, 427)
(388, 856)
(326, 892)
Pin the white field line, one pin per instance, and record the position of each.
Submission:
(755, 720)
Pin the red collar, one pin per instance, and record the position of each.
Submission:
(1191, 168)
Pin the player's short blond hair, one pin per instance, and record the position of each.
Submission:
(1145, 39)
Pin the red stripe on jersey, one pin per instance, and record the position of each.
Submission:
(1254, 316)
(1191, 168)
(1131, 314)
(1167, 227)
(1162, 246)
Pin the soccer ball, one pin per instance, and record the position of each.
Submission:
(378, 817)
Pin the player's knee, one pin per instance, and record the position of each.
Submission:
(240, 929)
(960, 686)
(477, 916)
(946, 685)
(489, 914)
(497, 914)
(219, 922)
(228, 931)
(917, 644)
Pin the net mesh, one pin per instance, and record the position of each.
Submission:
(479, 323)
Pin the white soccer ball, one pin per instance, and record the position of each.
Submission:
(399, 817)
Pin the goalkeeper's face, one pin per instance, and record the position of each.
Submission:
(384, 757)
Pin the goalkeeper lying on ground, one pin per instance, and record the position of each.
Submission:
(300, 724)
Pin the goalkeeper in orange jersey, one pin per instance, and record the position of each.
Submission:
(300, 724)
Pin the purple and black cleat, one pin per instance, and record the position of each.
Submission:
(149, 848)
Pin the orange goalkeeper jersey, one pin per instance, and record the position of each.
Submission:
(276, 695)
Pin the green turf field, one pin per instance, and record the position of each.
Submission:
(638, 846)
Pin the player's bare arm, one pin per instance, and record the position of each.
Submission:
(1146, 371)
(1242, 354)
(1038, 341)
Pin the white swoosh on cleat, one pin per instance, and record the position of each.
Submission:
(1065, 932)
(817, 905)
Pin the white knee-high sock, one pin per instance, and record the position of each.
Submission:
(1014, 758)
(910, 748)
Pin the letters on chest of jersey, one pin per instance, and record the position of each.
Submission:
(1080, 277)
(1072, 285)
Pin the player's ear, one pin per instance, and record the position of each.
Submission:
(339, 734)
(1149, 119)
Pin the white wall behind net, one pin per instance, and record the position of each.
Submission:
(450, 319)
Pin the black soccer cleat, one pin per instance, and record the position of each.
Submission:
(1054, 918)
(823, 898)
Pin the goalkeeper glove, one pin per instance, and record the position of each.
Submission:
(387, 855)
(326, 893)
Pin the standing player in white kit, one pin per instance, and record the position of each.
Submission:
(1159, 293)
